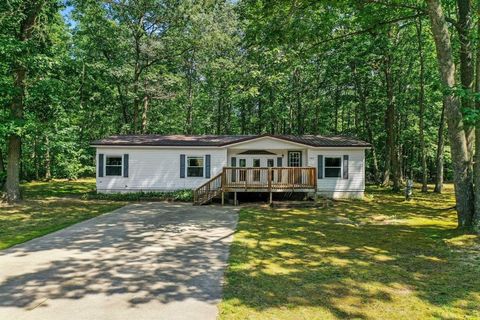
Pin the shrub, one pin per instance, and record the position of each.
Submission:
(179, 195)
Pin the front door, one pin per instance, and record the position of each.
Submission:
(294, 160)
(270, 164)
(242, 174)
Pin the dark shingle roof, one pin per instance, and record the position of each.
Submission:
(224, 140)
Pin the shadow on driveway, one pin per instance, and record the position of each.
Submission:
(148, 261)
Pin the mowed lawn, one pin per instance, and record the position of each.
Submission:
(382, 258)
(47, 207)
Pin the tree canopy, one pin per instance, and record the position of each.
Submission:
(78, 70)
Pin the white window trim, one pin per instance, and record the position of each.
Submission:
(341, 167)
(105, 164)
(301, 158)
(186, 165)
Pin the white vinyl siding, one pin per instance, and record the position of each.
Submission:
(158, 169)
(354, 186)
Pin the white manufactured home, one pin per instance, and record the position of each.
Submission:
(212, 164)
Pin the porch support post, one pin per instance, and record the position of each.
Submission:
(235, 198)
(271, 198)
(223, 198)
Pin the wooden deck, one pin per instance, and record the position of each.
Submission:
(274, 179)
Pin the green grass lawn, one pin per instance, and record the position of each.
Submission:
(381, 258)
(47, 207)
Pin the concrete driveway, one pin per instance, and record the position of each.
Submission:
(143, 261)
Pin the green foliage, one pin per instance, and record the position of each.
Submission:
(216, 67)
(179, 195)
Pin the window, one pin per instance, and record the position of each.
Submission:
(242, 173)
(333, 167)
(294, 158)
(256, 173)
(270, 164)
(194, 166)
(113, 166)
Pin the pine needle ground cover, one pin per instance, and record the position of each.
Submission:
(47, 207)
(379, 258)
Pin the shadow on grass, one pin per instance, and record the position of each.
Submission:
(352, 256)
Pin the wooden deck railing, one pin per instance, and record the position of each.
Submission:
(208, 190)
(269, 179)
(237, 179)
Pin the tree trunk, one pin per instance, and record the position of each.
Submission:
(12, 185)
(421, 103)
(145, 114)
(336, 103)
(36, 158)
(456, 132)
(136, 104)
(362, 100)
(190, 69)
(440, 152)
(220, 110)
(2, 163)
(48, 161)
(476, 215)
(464, 27)
(390, 127)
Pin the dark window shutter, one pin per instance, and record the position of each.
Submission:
(279, 162)
(125, 165)
(234, 164)
(182, 166)
(320, 167)
(100, 165)
(345, 166)
(207, 166)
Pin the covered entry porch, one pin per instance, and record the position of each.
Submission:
(267, 165)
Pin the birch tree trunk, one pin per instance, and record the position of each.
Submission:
(456, 129)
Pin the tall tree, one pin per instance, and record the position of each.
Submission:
(421, 103)
(23, 28)
(456, 128)
(476, 216)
